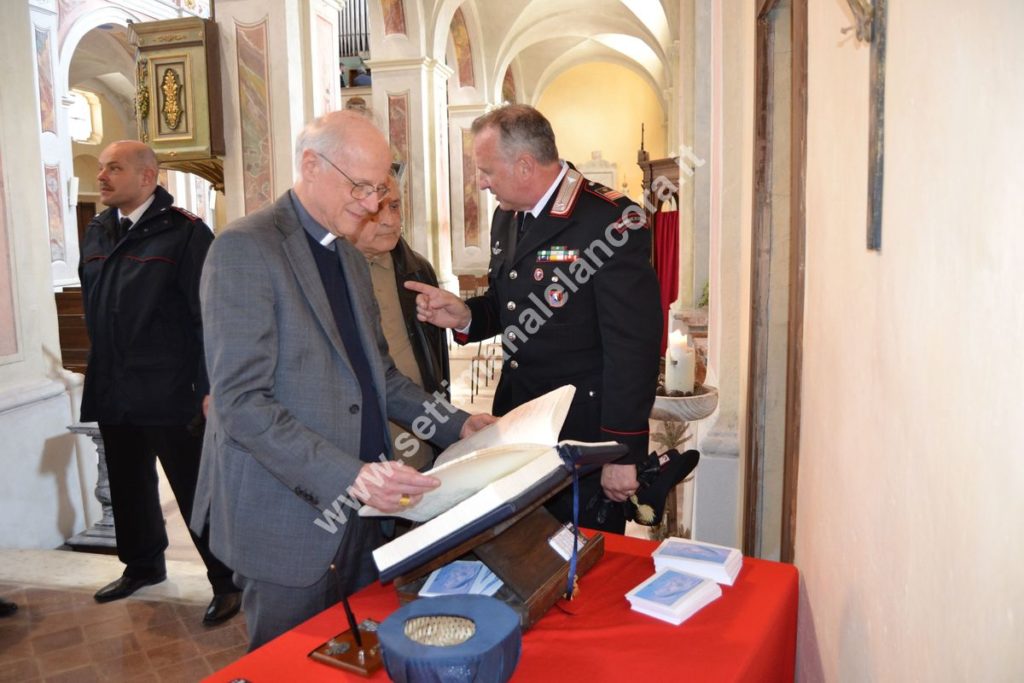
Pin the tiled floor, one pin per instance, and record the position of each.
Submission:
(64, 635)
(61, 634)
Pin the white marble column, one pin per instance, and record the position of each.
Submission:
(56, 167)
(42, 497)
(718, 514)
(278, 67)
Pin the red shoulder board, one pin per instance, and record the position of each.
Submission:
(187, 214)
(604, 192)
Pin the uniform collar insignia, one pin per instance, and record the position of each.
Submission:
(568, 190)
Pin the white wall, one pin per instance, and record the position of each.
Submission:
(910, 538)
(613, 125)
(44, 470)
(719, 478)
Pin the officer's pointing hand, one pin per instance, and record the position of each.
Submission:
(439, 307)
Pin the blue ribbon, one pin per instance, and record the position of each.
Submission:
(575, 529)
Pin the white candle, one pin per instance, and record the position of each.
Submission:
(679, 363)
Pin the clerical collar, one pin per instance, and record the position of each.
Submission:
(135, 215)
(311, 225)
(539, 206)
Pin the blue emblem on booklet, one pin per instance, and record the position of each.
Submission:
(694, 551)
(669, 588)
(673, 596)
(462, 577)
(456, 578)
(707, 560)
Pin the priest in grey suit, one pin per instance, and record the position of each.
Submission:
(303, 387)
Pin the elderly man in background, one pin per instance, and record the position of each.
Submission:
(302, 388)
(420, 351)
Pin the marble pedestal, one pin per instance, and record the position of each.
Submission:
(100, 536)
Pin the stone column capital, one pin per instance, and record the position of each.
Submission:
(424, 64)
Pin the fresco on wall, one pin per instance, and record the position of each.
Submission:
(508, 87)
(326, 77)
(398, 132)
(44, 65)
(8, 323)
(53, 213)
(394, 16)
(200, 8)
(470, 194)
(254, 105)
(463, 49)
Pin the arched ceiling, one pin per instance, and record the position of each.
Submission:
(546, 37)
(104, 63)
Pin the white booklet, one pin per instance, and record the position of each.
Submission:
(716, 562)
(673, 596)
(466, 467)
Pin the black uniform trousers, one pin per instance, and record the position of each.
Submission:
(131, 453)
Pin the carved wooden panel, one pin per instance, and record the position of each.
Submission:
(178, 96)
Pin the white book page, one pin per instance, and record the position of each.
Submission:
(535, 422)
(471, 464)
(461, 478)
(480, 503)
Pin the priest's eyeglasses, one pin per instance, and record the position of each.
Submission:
(359, 190)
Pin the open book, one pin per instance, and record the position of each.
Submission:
(499, 449)
(488, 477)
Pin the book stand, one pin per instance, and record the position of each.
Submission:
(517, 551)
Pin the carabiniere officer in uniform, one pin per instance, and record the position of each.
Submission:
(573, 295)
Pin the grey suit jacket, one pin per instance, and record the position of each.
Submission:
(282, 438)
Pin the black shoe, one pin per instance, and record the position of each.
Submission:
(125, 586)
(7, 608)
(222, 608)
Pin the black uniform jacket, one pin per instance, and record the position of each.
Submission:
(576, 302)
(429, 343)
(141, 297)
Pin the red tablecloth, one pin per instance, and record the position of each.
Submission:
(749, 634)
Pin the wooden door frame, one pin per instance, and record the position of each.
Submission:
(753, 456)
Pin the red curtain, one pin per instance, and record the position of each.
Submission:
(666, 264)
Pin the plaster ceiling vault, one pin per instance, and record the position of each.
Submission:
(540, 39)
(104, 63)
(537, 39)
